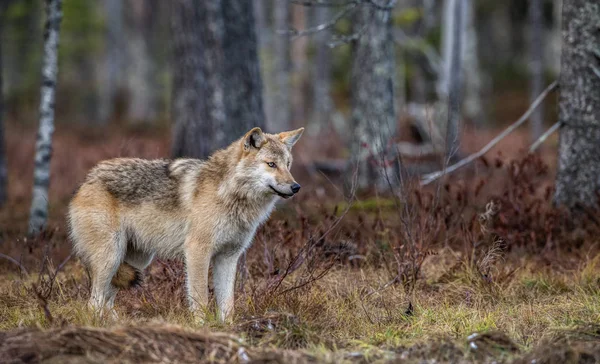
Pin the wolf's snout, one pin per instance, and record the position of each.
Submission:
(295, 188)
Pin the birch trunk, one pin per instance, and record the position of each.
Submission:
(578, 177)
(43, 148)
(454, 77)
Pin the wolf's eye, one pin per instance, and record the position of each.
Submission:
(271, 164)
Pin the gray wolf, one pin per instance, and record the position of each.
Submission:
(129, 211)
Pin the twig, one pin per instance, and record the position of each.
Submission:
(544, 136)
(311, 3)
(430, 177)
(300, 33)
(14, 261)
(596, 70)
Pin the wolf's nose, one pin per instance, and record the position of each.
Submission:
(295, 188)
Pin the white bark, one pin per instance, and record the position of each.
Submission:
(470, 69)
(451, 79)
(43, 152)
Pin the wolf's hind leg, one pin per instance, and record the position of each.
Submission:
(224, 271)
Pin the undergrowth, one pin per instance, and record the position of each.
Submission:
(400, 274)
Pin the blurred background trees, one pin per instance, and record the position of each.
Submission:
(361, 75)
(117, 56)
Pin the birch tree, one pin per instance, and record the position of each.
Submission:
(470, 72)
(578, 177)
(454, 76)
(372, 78)
(43, 146)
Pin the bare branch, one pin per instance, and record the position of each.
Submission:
(428, 178)
(311, 3)
(544, 136)
(327, 25)
(14, 261)
(596, 70)
(373, 3)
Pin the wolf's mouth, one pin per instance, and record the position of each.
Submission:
(279, 193)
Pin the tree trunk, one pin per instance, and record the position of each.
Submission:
(472, 74)
(373, 112)
(322, 103)
(3, 167)
(217, 90)
(43, 152)
(242, 79)
(536, 66)
(198, 105)
(578, 177)
(300, 69)
(282, 106)
(454, 77)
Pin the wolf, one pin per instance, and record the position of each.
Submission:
(129, 211)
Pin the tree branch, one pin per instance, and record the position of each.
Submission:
(430, 177)
(544, 136)
(308, 31)
(14, 261)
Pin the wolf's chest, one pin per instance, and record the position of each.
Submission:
(231, 238)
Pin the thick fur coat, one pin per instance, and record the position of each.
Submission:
(129, 211)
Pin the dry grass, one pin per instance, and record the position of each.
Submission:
(397, 279)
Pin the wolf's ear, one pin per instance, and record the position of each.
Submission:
(254, 139)
(289, 138)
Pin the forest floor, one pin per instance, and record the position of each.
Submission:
(481, 269)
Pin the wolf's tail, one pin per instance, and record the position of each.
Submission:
(127, 277)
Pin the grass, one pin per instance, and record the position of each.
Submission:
(352, 310)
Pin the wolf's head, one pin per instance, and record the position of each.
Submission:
(266, 161)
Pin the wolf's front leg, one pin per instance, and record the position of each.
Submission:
(224, 269)
(197, 261)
